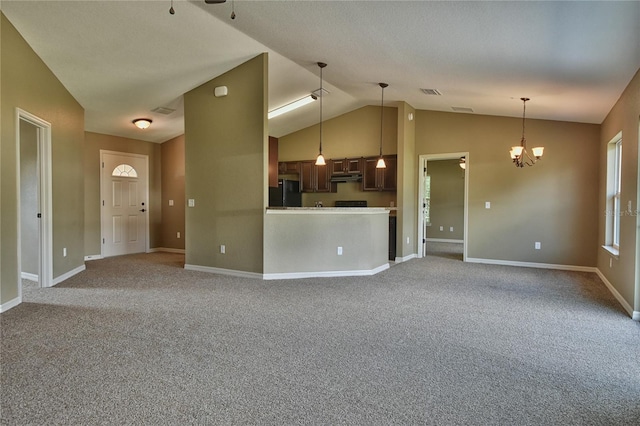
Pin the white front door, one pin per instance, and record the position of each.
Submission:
(125, 204)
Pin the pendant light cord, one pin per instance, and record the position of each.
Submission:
(381, 118)
(321, 96)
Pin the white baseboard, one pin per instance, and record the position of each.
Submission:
(166, 249)
(635, 315)
(223, 271)
(324, 274)
(69, 274)
(405, 258)
(532, 265)
(93, 257)
(28, 276)
(10, 304)
(444, 240)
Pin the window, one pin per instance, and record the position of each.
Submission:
(614, 188)
(124, 170)
(617, 181)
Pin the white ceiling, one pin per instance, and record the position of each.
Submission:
(121, 59)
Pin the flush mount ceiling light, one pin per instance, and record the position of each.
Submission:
(463, 163)
(519, 154)
(291, 106)
(320, 160)
(381, 164)
(142, 123)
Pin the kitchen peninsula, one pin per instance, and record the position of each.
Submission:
(304, 242)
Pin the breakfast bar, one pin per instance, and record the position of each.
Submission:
(304, 242)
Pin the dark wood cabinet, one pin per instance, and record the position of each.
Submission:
(380, 179)
(314, 178)
(346, 166)
(289, 167)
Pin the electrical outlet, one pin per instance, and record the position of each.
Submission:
(339, 251)
(64, 252)
(537, 245)
(171, 202)
(407, 240)
(223, 249)
(178, 234)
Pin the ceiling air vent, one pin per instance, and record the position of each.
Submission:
(163, 110)
(431, 92)
(462, 109)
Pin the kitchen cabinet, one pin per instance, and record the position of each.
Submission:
(346, 166)
(380, 179)
(315, 178)
(289, 167)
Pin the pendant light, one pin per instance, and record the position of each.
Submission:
(320, 160)
(381, 164)
(519, 154)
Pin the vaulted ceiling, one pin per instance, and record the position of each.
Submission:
(122, 59)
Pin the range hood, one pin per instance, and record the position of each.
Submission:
(347, 177)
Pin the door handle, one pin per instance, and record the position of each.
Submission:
(143, 210)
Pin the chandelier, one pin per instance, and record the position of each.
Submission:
(519, 153)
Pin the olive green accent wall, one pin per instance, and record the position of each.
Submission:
(554, 202)
(447, 199)
(354, 134)
(173, 189)
(94, 142)
(407, 193)
(28, 84)
(226, 155)
(29, 197)
(624, 117)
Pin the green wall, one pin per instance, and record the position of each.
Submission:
(94, 142)
(447, 199)
(27, 83)
(226, 155)
(407, 194)
(623, 273)
(173, 189)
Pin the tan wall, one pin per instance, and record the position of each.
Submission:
(447, 199)
(27, 83)
(94, 142)
(173, 189)
(354, 134)
(226, 154)
(553, 202)
(407, 214)
(624, 117)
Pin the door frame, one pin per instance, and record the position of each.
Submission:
(45, 199)
(422, 164)
(146, 191)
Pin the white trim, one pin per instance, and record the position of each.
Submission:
(222, 271)
(28, 276)
(167, 250)
(325, 274)
(627, 307)
(93, 257)
(532, 265)
(69, 274)
(10, 304)
(405, 258)
(444, 240)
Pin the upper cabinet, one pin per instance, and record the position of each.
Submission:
(289, 167)
(346, 166)
(315, 178)
(380, 179)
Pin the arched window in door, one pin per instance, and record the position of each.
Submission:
(124, 170)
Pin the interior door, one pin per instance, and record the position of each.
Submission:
(124, 203)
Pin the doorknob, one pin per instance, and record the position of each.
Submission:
(143, 210)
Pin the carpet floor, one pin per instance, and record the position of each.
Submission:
(434, 341)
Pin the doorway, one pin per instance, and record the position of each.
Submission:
(124, 195)
(424, 201)
(34, 204)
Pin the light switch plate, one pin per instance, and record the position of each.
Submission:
(487, 205)
(192, 202)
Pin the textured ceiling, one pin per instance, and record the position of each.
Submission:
(121, 59)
